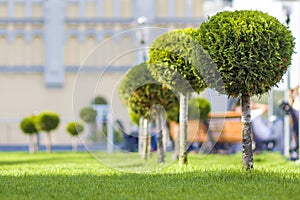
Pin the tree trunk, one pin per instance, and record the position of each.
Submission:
(160, 146)
(247, 133)
(176, 142)
(49, 143)
(149, 134)
(90, 134)
(145, 139)
(37, 142)
(74, 144)
(31, 144)
(183, 129)
(141, 135)
(165, 133)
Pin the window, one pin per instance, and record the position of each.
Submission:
(3, 51)
(37, 51)
(3, 10)
(37, 10)
(72, 52)
(19, 10)
(90, 9)
(72, 10)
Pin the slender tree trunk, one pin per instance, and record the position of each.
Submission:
(49, 143)
(165, 133)
(160, 146)
(247, 133)
(141, 135)
(31, 144)
(176, 141)
(183, 129)
(37, 142)
(149, 134)
(145, 139)
(75, 144)
(90, 133)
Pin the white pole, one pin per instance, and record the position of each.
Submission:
(110, 134)
(286, 135)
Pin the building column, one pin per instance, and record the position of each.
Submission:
(11, 8)
(28, 8)
(54, 18)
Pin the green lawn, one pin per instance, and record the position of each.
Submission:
(82, 176)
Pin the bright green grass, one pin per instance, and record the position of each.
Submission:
(81, 176)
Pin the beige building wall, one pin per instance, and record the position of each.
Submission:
(24, 93)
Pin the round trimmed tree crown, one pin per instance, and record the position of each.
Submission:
(172, 57)
(252, 51)
(139, 91)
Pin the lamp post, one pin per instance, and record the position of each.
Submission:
(287, 11)
(144, 126)
(142, 37)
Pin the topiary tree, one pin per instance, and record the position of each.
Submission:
(74, 129)
(172, 59)
(134, 118)
(252, 51)
(88, 115)
(48, 121)
(99, 100)
(28, 126)
(198, 109)
(141, 93)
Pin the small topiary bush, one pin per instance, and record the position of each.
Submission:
(135, 118)
(47, 121)
(88, 114)
(28, 125)
(172, 58)
(74, 128)
(139, 91)
(99, 100)
(198, 109)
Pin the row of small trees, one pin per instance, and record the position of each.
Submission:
(240, 53)
(46, 122)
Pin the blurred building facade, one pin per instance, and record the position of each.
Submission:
(45, 47)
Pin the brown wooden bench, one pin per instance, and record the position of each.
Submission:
(224, 128)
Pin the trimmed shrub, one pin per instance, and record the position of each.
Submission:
(139, 91)
(74, 128)
(135, 118)
(251, 49)
(99, 100)
(47, 121)
(28, 125)
(172, 59)
(198, 109)
(88, 114)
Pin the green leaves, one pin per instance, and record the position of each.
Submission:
(74, 128)
(88, 114)
(173, 57)
(28, 125)
(248, 48)
(139, 92)
(198, 109)
(47, 121)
